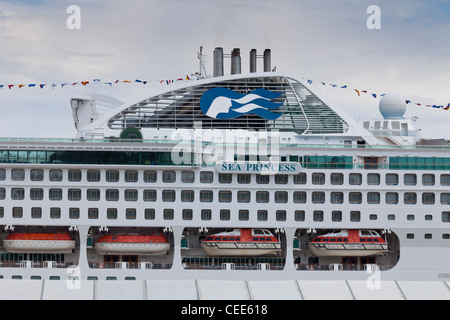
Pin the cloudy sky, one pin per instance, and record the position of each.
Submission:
(324, 40)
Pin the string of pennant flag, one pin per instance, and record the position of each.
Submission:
(97, 81)
(196, 77)
(376, 95)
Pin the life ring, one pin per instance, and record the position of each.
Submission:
(311, 268)
(100, 265)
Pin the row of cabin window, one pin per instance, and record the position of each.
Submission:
(409, 179)
(206, 214)
(226, 196)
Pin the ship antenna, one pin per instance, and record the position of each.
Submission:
(202, 70)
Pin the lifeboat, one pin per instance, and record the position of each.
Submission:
(132, 244)
(241, 242)
(349, 243)
(60, 242)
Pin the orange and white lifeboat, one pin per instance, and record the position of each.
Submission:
(59, 242)
(241, 242)
(349, 243)
(132, 244)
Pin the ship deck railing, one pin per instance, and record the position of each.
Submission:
(342, 267)
(192, 142)
(38, 264)
(129, 265)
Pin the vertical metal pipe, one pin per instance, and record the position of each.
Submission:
(236, 61)
(218, 62)
(267, 60)
(253, 61)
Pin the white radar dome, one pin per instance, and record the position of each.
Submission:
(393, 106)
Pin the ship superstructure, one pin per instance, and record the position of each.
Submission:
(166, 188)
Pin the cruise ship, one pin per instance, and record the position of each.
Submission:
(245, 176)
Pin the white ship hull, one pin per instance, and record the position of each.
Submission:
(38, 246)
(132, 248)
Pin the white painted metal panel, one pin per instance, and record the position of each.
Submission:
(382, 290)
(20, 289)
(118, 290)
(223, 290)
(171, 290)
(424, 290)
(274, 290)
(63, 290)
(325, 290)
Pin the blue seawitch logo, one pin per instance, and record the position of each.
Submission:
(225, 104)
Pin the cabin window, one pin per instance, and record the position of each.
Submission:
(337, 179)
(262, 179)
(428, 179)
(299, 215)
(112, 176)
(56, 175)
(318, 178)
(410, 198)
(300, 178)
(445, 198)
(168, 195)
(149, 214)
(318, 216)
(169, 176)
(2, 174)
(281, 179)
(281, 197)
(392, 179)
(355, 216)
(36, 194)
(373, 179)
(206, 196)
(168, 214)
(187, 177)
(130, 214)
(225, 196)
(244, 178)
(55, 213)
(337, 197)
(150, 176)
(111, 213)
(37, 175)
(336, 216)
(244, 215)
(355, 179)
(150, 195)
(391, 197)
(445, 179)
(281, 215)
(225, 178)
(428, 198)
(225, 215)
(132, 195)
(206, 214)
(299, 197)
(410, 179)
(262, 215)
(206, 177)
(93, 176)
(18, 174)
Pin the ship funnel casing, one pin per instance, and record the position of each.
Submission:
(236, 61)
(218, 62)
(253, 57)
(267, 60)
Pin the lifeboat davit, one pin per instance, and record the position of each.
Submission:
(132, 244)
(349, 243)
(241, 242)
(59, 242)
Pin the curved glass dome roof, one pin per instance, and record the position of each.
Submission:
(301, 110)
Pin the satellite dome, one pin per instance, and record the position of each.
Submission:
(393, 106)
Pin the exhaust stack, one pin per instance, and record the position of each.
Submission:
(267, 60)
(218, 62)
(236, 61)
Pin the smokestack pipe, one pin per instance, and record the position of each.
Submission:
(236, 61)
(267, 60)
(253, 61)
(218, 62)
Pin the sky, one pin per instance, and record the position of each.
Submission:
(322, 40)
